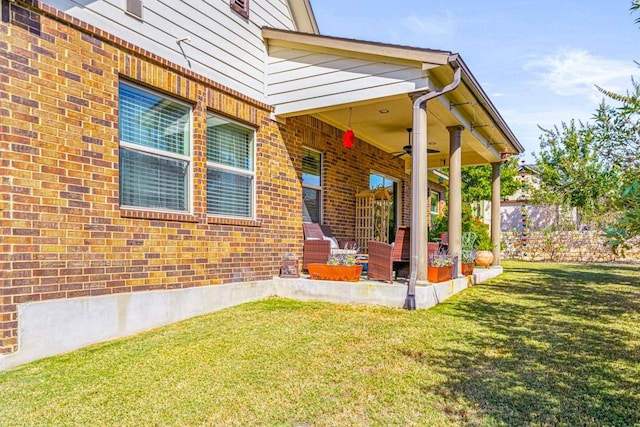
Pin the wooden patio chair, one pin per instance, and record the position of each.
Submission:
(444, 241)
(386, 259)
(342, 244)
(316, 248)
(320, 244)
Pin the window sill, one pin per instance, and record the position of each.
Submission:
(233, 221)
(162, 216)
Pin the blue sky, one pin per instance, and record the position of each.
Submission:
(538, 60)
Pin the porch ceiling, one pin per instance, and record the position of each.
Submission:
(375, 100)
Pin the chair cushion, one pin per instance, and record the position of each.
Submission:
(337, 251)
(333, 242)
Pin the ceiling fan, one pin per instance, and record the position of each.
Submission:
(407, 148)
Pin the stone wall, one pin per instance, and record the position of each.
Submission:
(565, 246)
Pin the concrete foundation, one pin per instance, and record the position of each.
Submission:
(53, 327)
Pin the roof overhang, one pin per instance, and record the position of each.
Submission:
(367, 86)
(303, 16)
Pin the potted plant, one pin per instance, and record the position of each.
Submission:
(484, 254)
(468, 261)
(468, 253)
(341, 267)
(440, 268)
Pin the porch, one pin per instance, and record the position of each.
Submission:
(399, 112)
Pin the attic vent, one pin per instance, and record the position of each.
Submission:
(134, 7)
(241, 7)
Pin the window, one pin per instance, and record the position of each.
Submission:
(4, 11)
(241, 7)
(155, 150)
(230, 169)
(311, 186)
(377, 181)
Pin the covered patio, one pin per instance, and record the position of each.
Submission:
(379, 91)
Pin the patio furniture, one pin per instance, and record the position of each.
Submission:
(386, 259)
(444, 241)
(320, 244)
(433, 248)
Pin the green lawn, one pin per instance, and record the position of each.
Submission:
(543, 344)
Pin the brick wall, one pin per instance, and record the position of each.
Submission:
(63, 234)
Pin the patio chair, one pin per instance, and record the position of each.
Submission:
(444, 241)
(320, 244)
(386, 259)
(433, 248)
(347, 245)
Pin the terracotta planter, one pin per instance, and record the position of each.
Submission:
(484, 258)
(439, 274)
(467, 268)
(340, 273)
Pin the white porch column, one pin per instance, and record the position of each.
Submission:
(495, 212)
(419, 175)
(455, 193)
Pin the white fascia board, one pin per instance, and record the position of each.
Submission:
(472, 84)
(468, 126)
(276, 37)
(303, 16)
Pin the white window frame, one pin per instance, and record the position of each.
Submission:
(317, 187)
(236, 171)
(165, 154)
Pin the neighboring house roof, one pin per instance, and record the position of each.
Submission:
(367, 86)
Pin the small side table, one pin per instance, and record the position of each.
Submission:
(362, 259)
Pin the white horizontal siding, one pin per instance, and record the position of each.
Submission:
(299, 80)
(223, 46)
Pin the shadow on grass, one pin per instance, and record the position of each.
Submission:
(556, 346)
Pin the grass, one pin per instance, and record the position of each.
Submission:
(543, 344)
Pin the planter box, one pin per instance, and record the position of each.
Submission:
(439, 274)
(467, 268)
(340, 273)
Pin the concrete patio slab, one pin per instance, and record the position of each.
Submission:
(370, 292)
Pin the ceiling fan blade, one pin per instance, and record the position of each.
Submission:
(396, 155)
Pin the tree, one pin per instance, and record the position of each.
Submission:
(571, 172)
(618, 131)
(476, 181)
(596, 166)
